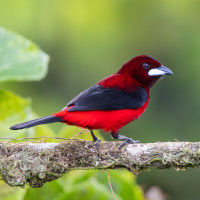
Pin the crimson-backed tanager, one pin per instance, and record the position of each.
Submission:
(111, 103)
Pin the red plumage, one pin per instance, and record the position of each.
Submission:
(109, 121)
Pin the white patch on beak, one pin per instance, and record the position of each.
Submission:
(160, 71)
(156, 72)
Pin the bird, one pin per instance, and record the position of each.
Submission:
(112, 103)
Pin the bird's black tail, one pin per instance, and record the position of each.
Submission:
(35, 122)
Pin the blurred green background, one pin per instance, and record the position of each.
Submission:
(89, 40)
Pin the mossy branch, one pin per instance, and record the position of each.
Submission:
(38, 163)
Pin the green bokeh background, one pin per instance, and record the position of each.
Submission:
(88, 40)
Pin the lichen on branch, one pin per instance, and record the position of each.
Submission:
(37, 163)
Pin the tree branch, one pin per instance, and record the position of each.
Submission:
(38, 163)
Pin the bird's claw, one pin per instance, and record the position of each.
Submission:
(128, 141)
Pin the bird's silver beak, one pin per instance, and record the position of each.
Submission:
(160, 71)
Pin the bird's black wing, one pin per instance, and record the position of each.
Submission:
(99, 98)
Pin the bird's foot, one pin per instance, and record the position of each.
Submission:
(128, 141)
(116, 135)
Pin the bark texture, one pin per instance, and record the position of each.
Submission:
(38, 163)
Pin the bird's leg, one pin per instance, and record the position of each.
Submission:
(115, 135)
(95, 139)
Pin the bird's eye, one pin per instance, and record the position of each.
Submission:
(146, 65)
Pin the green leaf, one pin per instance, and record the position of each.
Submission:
(20, 59)
(10, 193)
(13, 110)
(48, 191)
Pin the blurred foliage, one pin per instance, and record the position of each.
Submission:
(88, 40)
(89, 185)
(69, 132)
(86, 185)
(14, 109)
(20, 58)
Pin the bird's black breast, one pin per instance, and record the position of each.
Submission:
(98, 97)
